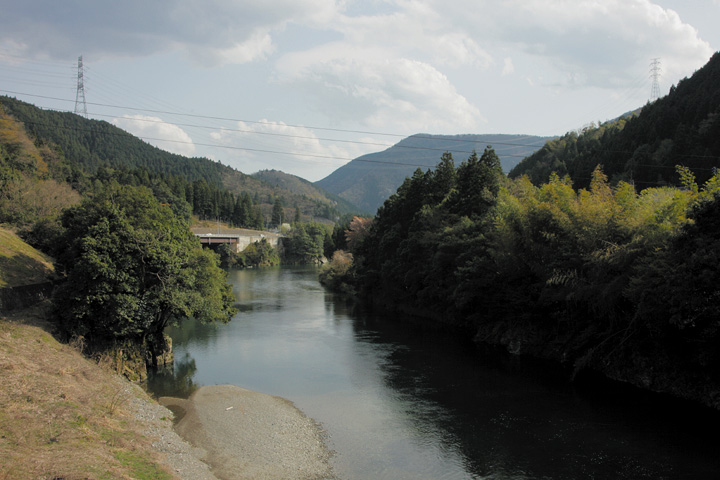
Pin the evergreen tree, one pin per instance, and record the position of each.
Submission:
(278, 214)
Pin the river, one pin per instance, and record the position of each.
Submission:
(403, 402)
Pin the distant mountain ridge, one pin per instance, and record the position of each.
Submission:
(369, 180)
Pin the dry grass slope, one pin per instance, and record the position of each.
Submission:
(61, 415)
(20, 264)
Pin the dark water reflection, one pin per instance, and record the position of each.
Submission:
(402, 402)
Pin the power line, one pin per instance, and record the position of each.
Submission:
(261, 122)
(287, 135)
(123, 133)
(276, 134)
(126, 134)
(258, 150)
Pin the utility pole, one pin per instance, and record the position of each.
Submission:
(655, 71)
(80, 105)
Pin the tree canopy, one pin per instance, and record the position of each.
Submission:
(133, 267)
(602, 274)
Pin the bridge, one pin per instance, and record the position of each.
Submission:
(238, 238)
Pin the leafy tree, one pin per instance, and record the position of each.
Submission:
(260, 254)
(133, 268)
(643, 146)
(357, 231)
(339, 241)
(306, 242)
(442, 180)
(676, 288)
(335, 274)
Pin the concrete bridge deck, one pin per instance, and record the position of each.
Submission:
(238, 238)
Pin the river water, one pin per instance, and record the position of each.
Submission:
(402, 402)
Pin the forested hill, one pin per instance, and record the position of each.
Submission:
(369, 180)
(682, 128)
(90, 145)
(300, 186)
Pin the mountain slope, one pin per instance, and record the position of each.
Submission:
(682, 128)
(300, 186)
(368, 180)
(92, 144)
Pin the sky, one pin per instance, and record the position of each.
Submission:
(304, 86)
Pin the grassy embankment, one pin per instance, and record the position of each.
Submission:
(20, 264)
(61, 415)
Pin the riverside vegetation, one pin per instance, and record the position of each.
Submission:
(606, 279)
(614, 276)
(599, 252)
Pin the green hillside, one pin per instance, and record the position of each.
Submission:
(92, 146)
(300, 186)
(682, 128)
(369, 180)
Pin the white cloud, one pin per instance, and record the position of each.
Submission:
(508, 67)
(156, 132)
(396, 65)
(397, 94)
(414, 29)
(298, 150)
(257, 47)
(388, 70)
(210, 31)
(601, 43)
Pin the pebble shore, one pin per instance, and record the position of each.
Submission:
(231, 433)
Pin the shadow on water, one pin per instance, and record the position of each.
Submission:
(400, 399)
(516, 417)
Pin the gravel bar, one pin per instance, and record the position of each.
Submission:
(248, 435)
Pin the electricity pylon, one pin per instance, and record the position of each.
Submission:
(80, 105)
(655, 71)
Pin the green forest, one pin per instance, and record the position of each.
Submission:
(605, 278)
(85, 151)
(583, 254)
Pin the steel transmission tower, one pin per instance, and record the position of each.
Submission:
(655, 71)
(80, 105)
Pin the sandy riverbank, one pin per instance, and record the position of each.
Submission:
(249, 435)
